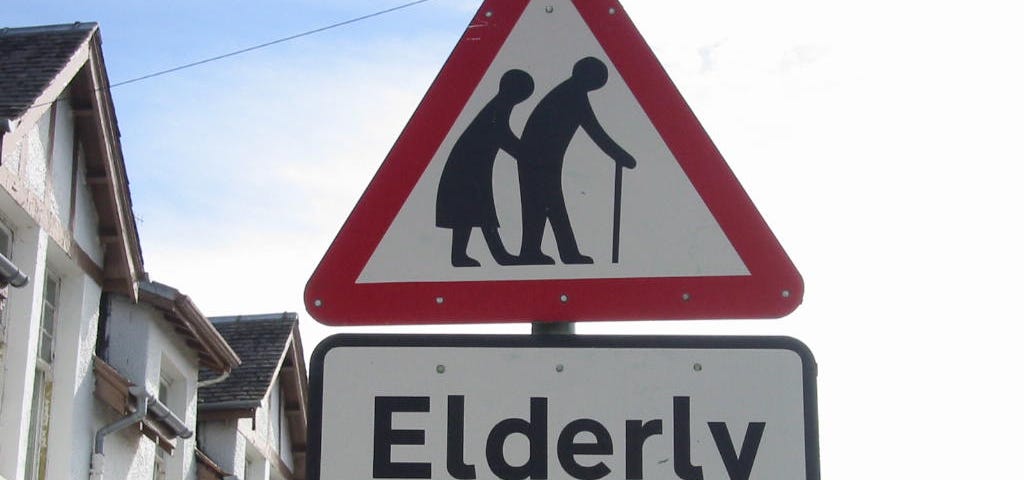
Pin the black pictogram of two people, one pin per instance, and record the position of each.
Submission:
(465, 196)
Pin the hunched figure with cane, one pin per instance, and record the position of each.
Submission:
(543, 145)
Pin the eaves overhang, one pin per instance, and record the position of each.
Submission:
(199, 334)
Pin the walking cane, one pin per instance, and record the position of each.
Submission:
(617, 212)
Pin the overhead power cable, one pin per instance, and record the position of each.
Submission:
(267, 44)
(250, 49)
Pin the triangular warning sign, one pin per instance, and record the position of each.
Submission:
(552, 173)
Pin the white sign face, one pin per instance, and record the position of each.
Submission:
(486, 407)
(554, 160)
(666, 228)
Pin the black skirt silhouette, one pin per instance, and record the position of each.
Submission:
(465, 193)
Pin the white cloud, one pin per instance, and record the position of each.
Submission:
(281, 153)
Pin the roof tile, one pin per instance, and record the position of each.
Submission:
(30, 58)
(260, 341)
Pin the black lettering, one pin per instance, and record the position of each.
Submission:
(535, 430)
(456, 439)
(384, 437)
(568, 448)
(637, 432)
(684, 467)
(738, 466)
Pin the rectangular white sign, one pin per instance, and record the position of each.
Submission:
(562, 407)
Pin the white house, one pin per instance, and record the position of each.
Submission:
(67, 222)
(253, 422)
(147, 373)
(99, 367)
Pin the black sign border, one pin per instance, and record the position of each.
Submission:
(316, 372)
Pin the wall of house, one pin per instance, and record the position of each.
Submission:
(35, 204)
(62, 162)
(87, 219)
(270, 440)
(128, 328)
(182, 362)
(129, 454)
(47, 204)
(280, 438)
(73, 401)
(23, 310)
(142, 346)
(223, 442)
(43, 185)
(250, 453)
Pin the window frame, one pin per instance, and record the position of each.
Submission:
(42, 386)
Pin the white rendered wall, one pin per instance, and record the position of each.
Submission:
(19, 358)
(273, 403)
(71, 399)
(223, 442)
(258, 467)
(168, 348)
(281, 439)
(141, 342)
(61, 163)
(25, 162)
(73, 402)
(33, 160)
(258, 438)
(71, 426)
(129, 455)
(265, 441)
(87, 220)
(128, 329)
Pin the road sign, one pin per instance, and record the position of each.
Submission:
(561, 407)
(552, 173)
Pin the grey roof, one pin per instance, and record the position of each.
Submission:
(30, 58)
(260, 341)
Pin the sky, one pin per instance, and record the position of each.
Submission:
(878, 139)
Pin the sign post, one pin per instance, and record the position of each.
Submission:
(553, 328)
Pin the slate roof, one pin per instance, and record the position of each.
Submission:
(260, 341)
(30, 58)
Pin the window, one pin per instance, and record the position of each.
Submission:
(42, 387)
(164, 394)
(44, 355)
(160, 464)
(250, 468)
(160, 459)
(171, 392)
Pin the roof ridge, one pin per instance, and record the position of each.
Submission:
(279, 316)
(57, 27)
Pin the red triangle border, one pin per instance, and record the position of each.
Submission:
(773, 289)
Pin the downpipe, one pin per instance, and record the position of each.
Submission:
(214, 381)
(141, 407)
(144, 404)
(11, 274)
